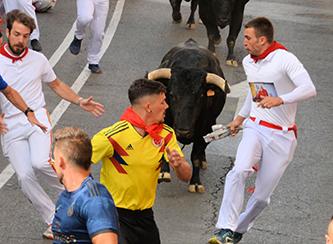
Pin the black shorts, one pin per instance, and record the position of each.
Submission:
(138, 227)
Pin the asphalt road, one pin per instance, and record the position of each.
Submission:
(302, 203)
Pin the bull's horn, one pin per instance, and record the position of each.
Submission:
(218, 81)
(162, 73)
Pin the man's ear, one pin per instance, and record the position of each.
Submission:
(262, 40)
(62, 163)
(148, 107)
(327, 239)
(7, 32)
(146, 103)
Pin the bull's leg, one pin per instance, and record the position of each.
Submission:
(191, 21)
(164, 175)
(176, 15)
(235, 26)
(213, 39)
(197, 157)
(208, 19)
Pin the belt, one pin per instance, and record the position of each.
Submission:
(274, 126)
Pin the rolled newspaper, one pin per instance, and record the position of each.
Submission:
(219, 132)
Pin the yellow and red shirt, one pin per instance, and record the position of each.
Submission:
(131, 163)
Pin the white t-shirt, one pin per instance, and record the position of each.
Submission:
(279, 74)
(26, 76)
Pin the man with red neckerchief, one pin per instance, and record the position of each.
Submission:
(26, 146)
(131, 151)
(269, 134)
(27, 7)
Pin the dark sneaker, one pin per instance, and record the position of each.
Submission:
(35, 45)
(75, 46)
(222, 236)
(237, 237)
(94, 68)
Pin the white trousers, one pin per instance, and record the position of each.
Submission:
(28, 150)
(27, 7)
(274, 150)
(92, 13)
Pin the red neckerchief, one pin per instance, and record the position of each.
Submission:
(6, 53)
(275, 45)
(132, 117)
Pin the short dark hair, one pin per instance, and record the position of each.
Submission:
(262, 27)
(144, 87)
(21, 17)
(75, 145)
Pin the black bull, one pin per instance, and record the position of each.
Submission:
(196, 93)
(220, 13)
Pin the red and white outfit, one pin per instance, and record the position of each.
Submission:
(92, 13)
(27, 7)
(268, 137)
(26, 146)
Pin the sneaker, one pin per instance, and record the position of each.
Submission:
(94, 68)
(222, 236)
(48, 233)
(237, 237)
(75, 46)
(35, 45)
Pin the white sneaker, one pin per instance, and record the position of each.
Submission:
(48, 233)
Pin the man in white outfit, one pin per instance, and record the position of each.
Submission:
(27, 7)
(27, 147)
(270, 133)
(92, 13)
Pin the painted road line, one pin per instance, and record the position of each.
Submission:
(63, 47)
(239, 91)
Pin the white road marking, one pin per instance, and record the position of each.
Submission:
(239, 91)
(8, 172)
(5, 175)
(63, 47)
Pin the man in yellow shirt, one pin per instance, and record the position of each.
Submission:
(131, 152)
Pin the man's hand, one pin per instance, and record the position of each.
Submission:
(89, 105)
(33, 120)
(175, 160)
(180, 165)
(3, 126)
(235, 124)
(269, 102)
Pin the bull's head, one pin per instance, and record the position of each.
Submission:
(187, 94)
(223, 10)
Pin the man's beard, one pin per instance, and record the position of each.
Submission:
(18, 52)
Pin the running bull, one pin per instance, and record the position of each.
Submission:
(196, 93)
(217, 13)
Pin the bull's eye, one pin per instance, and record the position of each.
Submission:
(173, 96)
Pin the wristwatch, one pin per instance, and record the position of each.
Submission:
(27, 111)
